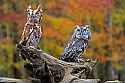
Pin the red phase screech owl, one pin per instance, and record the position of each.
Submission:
(32, 31)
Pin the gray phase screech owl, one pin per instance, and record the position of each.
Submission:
(77, 44)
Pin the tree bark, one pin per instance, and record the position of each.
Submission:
(49, 69)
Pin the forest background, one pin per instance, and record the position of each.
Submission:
(107, 20)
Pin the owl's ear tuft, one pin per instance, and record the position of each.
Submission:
(39, 8)
(29, 7)
(77, 27)
(87, 26)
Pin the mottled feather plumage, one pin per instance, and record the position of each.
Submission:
(32, 31)
(77, 44)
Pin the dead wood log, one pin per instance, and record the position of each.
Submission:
(52, 70)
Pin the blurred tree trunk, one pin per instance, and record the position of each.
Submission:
(109, 73)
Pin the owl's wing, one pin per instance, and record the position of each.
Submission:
(34, 37)
(26, 32)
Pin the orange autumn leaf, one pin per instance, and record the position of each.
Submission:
(50, 33)
(102, 58)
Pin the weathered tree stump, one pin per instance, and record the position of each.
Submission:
(49, 69)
